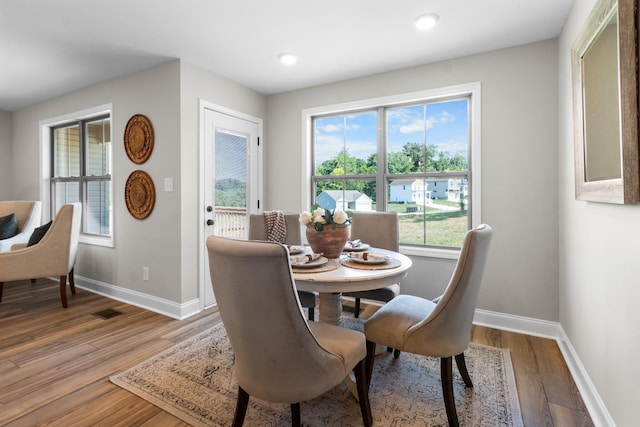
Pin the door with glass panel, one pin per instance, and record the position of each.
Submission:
(231, 179)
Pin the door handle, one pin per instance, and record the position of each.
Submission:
(210, 222)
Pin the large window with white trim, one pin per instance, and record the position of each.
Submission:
(81, 167)
(413, 157)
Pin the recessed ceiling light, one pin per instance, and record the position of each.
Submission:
(426, 21)
(288, 58)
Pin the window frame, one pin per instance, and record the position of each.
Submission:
(47, 127)
(471, 90)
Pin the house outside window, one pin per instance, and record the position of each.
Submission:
(413, 157)
(81, 169)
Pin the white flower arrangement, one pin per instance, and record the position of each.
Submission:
(320, 217)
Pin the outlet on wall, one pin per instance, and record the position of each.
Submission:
(145, 273)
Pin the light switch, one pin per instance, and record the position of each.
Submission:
(168, 184)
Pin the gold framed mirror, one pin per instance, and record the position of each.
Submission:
(604, 57)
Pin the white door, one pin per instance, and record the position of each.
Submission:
(231, 185)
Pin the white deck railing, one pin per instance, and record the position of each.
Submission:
(230, 222)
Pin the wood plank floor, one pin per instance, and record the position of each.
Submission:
(55, 364)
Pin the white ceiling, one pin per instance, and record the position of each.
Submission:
(52, 47)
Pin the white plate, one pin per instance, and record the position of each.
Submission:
(371, 259)
(315, 263)
(295, 250)
(360, 248)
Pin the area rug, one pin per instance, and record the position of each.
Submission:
(194, 381)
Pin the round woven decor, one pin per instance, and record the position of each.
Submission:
(138, 139)
(140, 194)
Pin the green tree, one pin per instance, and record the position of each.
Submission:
(445, 163)
(421, 156)
(399, 162)
(342, 164)
(458, 163)
(231, 193)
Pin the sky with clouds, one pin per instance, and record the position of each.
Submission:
(443, 124)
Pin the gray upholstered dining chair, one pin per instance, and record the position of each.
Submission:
(380, 230)
(279, 356)
(443, 329)
(258, 231)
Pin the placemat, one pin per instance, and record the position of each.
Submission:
(392, 263)
(332, 264)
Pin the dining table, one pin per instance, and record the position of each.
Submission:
(349, 274)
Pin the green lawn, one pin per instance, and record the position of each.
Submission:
(433, 226)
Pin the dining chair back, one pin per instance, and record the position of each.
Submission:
(258, 230)
(279, 356)
(380, 230)
(443, 329)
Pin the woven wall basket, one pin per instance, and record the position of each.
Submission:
(140, 194)
(138, 139)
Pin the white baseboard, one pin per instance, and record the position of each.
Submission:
(553, 330)
(139, 299)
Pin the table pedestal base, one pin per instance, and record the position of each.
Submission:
(331, 308)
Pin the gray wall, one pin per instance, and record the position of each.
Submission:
(154, 93)
(167, 240)
(519, 170)
(598, 276)
(5, 155)
(199, 84)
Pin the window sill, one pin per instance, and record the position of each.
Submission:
(96, 241)
(430, 252)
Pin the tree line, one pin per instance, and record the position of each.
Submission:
(414, 158)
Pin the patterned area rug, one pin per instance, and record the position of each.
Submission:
(194, 381)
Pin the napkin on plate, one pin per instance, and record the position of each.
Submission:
(368, 256)
(354, 243)
(304, 259)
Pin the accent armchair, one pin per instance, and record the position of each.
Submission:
(279, 356)
(54, 255)
(27, 214)
(443, 329)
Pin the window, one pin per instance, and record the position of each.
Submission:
(413, 155)
(81, 157)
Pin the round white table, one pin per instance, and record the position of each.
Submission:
(330, 284)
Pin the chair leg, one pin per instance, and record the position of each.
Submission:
(356, 308)
(241, 407)
(1, 289)
(446, 374)
(462, 368)
(295, 415)
(63, 290)
(72, 282)
(362, 384)
(312, 313)
(396, 352)
(371, 353)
